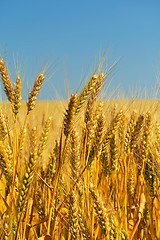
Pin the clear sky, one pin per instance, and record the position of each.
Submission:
(70, 36)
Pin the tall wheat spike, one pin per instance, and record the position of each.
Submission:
(85, 92)
(131, 184)
(93, 97)
(113, 154)
(83, 226)
(3, 126)
(75, 155)
(44, 137)
(17, 96)
(112, 130)
(146, 139)
(27, 179)
(69, 115)
(100, 211)
(5, 164)
(150, 174)
(137, 129)
(96, 147)
(74, 228)
(8, 88)
(129, 133)
(34, 93)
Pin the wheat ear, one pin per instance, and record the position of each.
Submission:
(17, 96)
(27, 179)
(129, 133)
(137, 129)
(112, 130)
(3, 126)
(44, 137)
(85, 92)
(83, 226)
(8, 88)
(96, 90)
(146, 140)
(69, 115)
(34, 93)
(100, 210)
(73, 221)
(5, 165)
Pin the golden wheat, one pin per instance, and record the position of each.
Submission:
(99, 179)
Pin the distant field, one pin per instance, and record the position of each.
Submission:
(56, 109)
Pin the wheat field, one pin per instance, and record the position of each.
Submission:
(81, 169)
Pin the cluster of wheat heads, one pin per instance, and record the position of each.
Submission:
(101, 180)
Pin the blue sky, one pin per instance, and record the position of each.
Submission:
(69, 37)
